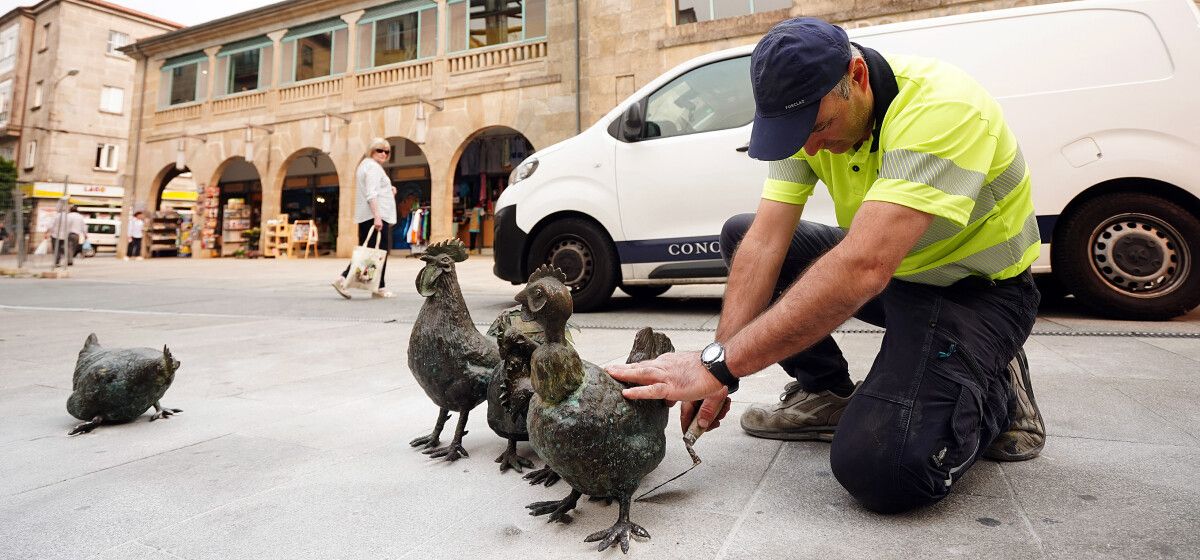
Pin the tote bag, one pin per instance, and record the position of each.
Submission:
(366, 266)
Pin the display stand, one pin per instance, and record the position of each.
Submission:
(236, 221)
(303, 237)
(277, 238)
(164, 233)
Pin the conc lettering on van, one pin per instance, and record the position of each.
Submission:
(637, 200)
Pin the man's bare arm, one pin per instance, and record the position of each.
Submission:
(756, 265)
(833, 288)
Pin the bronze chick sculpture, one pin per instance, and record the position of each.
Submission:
(117, 385)
(599, 442)
(451, 360)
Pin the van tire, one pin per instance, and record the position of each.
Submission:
(584, 253)
(1112, 237)
(643, 293)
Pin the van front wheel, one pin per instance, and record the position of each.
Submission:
(584, 254)
(1130, 256)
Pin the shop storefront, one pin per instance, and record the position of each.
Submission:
(481, 176)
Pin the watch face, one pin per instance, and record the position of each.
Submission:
(711, 353)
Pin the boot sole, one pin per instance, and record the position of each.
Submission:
(812, 434)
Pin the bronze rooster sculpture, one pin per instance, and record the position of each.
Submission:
(451, 360)
(599, 442)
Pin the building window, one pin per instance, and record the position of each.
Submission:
(5, 100)
(106, 157)
(692, 11)
(8, 48)
(397, 34)
(37, 95)
(244, 66)
(6, 153)
(183, 79)
(243, 71)
(44, 42)
(116, 40)
(112, 100)
(484, 23)
(30, 155)
(315, 51)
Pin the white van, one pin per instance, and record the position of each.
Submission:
(1101, 96)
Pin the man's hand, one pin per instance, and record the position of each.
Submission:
(709, 419)
(678, 376)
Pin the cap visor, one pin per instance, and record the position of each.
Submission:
(776, 138)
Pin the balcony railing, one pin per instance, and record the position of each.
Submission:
(395, 75)
(497, 57)
(178, 113)
(310, 90)
(240, 102)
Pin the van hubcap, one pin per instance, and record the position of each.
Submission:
(1139, 255)
(574, 258)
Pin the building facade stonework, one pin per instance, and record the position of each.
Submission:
(66, 92)
(540, 69)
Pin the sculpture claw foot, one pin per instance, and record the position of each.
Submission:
(428, 443)
(165, 413)
(545, 476)
(559, 510)
(511, 460)
(451, 452)
(87, 427)
(617, 534)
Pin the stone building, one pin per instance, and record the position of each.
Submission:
(65, 98)
(273, 108)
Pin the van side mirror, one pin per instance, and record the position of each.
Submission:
(631, 128)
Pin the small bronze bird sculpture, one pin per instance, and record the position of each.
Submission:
(599, 442)
(451, 360)
(114, 386)
(510, 389)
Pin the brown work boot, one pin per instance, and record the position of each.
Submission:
(1027, 432)
(799, 415)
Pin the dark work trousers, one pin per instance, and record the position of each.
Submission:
(134, 248)
(67, 248)
(385, 243)
(938, 392)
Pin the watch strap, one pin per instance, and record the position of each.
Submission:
(719, 370)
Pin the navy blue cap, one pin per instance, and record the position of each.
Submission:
(794, 65)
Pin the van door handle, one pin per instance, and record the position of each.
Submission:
(743, 149)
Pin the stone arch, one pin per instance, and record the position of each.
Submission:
(308, 187)
(479, 173)
(235, 188)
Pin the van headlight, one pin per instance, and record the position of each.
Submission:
(523, 171)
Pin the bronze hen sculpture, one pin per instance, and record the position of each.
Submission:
(451, 360)
(117, 385)
(599, 442)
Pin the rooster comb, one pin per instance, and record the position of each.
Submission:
(452, 247)
(548, 271)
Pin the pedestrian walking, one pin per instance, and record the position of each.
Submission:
(76, 233)
(137, 228)
(936, 239)
(374, 209)
(3, 237)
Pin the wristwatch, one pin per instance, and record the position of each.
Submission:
(713, 358)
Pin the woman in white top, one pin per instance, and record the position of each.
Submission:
(374, 208)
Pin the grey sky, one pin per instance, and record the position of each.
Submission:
(187, 12)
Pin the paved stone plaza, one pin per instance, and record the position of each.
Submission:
(298, 408)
